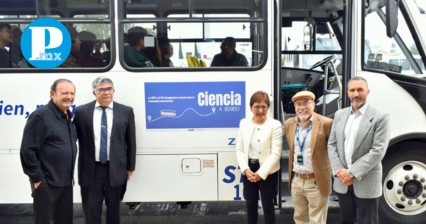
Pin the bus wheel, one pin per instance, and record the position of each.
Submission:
(404, 185)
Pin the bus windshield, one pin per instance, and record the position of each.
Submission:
(399, 54)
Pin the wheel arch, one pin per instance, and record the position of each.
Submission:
(410, 138)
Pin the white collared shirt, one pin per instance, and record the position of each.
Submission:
(254, 147)
(306, 168)
(97, 116)
(351, 130)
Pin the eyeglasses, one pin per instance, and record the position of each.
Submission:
(104, 90)
(260, 107)
(304, 104)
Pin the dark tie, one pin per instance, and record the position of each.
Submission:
(104, 137)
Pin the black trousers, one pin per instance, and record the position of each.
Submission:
(268, 191)
(93, 196)
(358, 210)
(52, 204)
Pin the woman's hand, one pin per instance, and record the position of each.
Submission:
(252, 177)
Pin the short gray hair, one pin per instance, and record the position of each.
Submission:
(359, 78)
(101, 79)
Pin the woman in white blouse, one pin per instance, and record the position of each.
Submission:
(258, 149)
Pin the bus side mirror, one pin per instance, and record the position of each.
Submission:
(391, 17)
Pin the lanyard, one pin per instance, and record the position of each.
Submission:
(302, 145)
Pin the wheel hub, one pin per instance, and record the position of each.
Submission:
(405, 188)
(412, 189)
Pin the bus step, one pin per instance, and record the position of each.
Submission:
(284, 154)
(284, 177)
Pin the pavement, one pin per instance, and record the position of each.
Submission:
(165, 213)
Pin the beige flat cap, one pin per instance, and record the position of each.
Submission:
(303, 94)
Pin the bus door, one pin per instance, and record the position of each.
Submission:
(311, 56)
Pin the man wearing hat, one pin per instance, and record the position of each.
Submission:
(309, 166)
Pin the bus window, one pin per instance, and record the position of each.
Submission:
(96, 56)
(151, 47)
(398, 54)
(65, 9)
(221, 29)
(296, 53)
(189, 35)
(89, 17)
(197, 37)
(98, 9)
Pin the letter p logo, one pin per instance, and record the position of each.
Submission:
(41, 34)
(46, 43)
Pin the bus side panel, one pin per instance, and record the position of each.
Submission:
(393, 99)
(15, 185)
(173, 178)
(230, 177)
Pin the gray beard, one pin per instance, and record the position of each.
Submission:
(303, 117)
(357, 104)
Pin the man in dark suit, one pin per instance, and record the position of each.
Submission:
(107, 151)
(358, 142)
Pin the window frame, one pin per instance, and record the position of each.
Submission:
(62, 18)
(123, 20)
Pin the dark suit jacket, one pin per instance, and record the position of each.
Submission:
(122, 154)
(321, 127)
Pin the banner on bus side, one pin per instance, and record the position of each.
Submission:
(192, 105)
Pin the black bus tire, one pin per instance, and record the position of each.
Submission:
(404, 184)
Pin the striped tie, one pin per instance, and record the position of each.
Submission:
(104, 137)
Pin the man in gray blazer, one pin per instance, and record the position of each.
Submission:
(107, 152)
(358, 141)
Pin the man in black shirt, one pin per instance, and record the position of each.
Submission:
(229, 56)
(48, 153)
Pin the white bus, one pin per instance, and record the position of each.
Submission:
(187, 116)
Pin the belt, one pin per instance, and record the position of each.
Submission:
(305, 176)
(253, 161)
(102, 163)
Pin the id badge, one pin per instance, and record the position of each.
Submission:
(300, 160)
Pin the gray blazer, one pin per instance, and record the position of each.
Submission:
(370, 147)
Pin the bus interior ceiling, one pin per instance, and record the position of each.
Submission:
(308, 8)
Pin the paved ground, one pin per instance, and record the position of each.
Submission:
(164, 213)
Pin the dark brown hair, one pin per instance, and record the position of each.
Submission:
(258, 97)
(53, 87)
